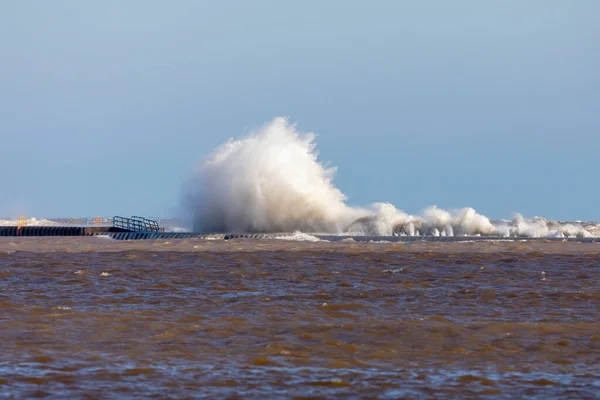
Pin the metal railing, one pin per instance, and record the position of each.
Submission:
(136, 224)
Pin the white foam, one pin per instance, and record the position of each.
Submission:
(29, 222)
(104, 237)
(176, 229)
(301, 237)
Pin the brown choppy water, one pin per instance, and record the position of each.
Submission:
(91, 317)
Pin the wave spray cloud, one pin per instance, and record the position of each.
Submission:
(269, 181)
(272, 181)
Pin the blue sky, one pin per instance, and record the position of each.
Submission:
(106, 107)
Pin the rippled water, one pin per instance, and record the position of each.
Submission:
(92, 317)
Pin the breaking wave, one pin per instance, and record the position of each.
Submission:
(272, 181)
(300, 237)
(28, 222)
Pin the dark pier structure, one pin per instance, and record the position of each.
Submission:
(119, 225)
(56, 230)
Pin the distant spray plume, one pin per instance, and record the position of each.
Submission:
(271, 181)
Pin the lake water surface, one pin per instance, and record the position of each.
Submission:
(89, 317)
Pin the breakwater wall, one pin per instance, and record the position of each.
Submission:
(56, 230)
(331, 238)
(122, 234)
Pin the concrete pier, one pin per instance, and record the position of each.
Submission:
(124, 234)
(330, 238)
(57, 230)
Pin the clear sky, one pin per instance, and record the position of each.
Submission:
(106, 106)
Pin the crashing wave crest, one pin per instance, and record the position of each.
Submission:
(271, 181)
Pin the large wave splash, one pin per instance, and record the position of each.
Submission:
(269, 181)
(272, 181)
